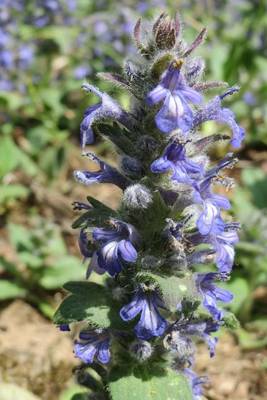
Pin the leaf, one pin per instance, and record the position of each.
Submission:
(88, 301)
(10, 392)
(75, 390)
(20, 237)
(31, 260)
(249, 341)
(174, 289)
(10, 290)
(64, 269)
(117, 135)
(8, 155)
(241, 291)
(12, 192)
(152, 226)
(80, 396)
(165, 386)
(96, 216)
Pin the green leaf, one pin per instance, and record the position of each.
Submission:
(64, 269)
(80, 396)
(75, 390)
(152, 226)
(31, 260)
(10, 392)
(20, 237)
(241, 291)
(90, 302)
(98, 215)
(8, 266)
(174, 289)
(8, 155)
(10, 290)
(12, 192)
(166, 385)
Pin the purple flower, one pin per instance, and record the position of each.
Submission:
(105, 110)
(64, 328)
(116, 246)
(91, 344)
(173, 90)
(223, 243)
(174, 158)
(211, 293)
(94, 266)
(214, 111)
(151, 323)
(222, 239)
(106, 174)
(82, 71)
(196, 383)
(211, 202)
(25, 56)
(188, 328)
(6, 59)
(203, 330)
(249, 99)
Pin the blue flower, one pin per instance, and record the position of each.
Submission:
(211, 203)
(26, 55)
(94, 266)
(151, 323)
(64, 327)
(116, 246)
(196, 383)
(174, 158)
(214, 111)
(212, 293)
(222, 239)
(203, 330)
(223, 243)
(82, 71)
(176, 94)
(106, 109)
(106, 174)
(91, 344)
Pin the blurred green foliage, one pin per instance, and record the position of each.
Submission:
(40, 119)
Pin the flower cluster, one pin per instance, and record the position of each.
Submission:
(16, 52)
(154, 250)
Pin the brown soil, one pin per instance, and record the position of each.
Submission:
(36, 356)
(233, 374)
(33, 353)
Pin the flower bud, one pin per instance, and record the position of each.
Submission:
(131, 167)
(165, 31)
(151, 262)
(181, 345)
(141, 350)
(137, 197)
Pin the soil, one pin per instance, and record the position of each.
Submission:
(33, 353)
(36, 356)
(233, 374)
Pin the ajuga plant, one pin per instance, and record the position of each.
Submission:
(165, 251)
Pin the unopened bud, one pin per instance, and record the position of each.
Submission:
(165, 31)
(181, 345)
(137, 197)
(131, 167)
(141, 350)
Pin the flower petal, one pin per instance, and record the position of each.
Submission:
(127, 251)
